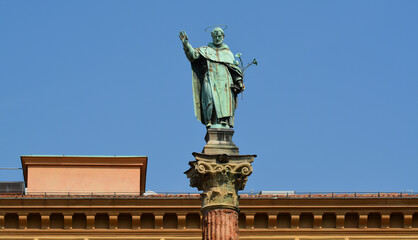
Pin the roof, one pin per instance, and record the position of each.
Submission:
(197, 196)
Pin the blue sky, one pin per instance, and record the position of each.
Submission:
(332, 105)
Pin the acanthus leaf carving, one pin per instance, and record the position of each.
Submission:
(220, 181)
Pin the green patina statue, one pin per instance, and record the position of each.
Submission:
(217, 80)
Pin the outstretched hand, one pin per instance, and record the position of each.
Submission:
(183, 37)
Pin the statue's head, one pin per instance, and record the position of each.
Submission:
(218, 36)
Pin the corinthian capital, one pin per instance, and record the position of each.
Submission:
(220, 177)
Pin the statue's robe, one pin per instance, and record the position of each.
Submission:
(213, 74)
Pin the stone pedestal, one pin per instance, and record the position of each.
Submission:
(220, 172)
(219, 141)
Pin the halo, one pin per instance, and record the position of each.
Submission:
(223, 26)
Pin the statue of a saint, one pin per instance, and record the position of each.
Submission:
(217, 80)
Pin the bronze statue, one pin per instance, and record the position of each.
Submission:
(217, 80)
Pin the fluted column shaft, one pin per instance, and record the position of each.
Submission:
(220, 224)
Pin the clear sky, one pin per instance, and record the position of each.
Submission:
(332, 105)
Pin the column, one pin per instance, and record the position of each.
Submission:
(220, 224)
(220, 172)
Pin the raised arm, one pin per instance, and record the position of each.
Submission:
(190, 52)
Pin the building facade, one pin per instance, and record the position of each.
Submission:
(45, 213)
(162, 216)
